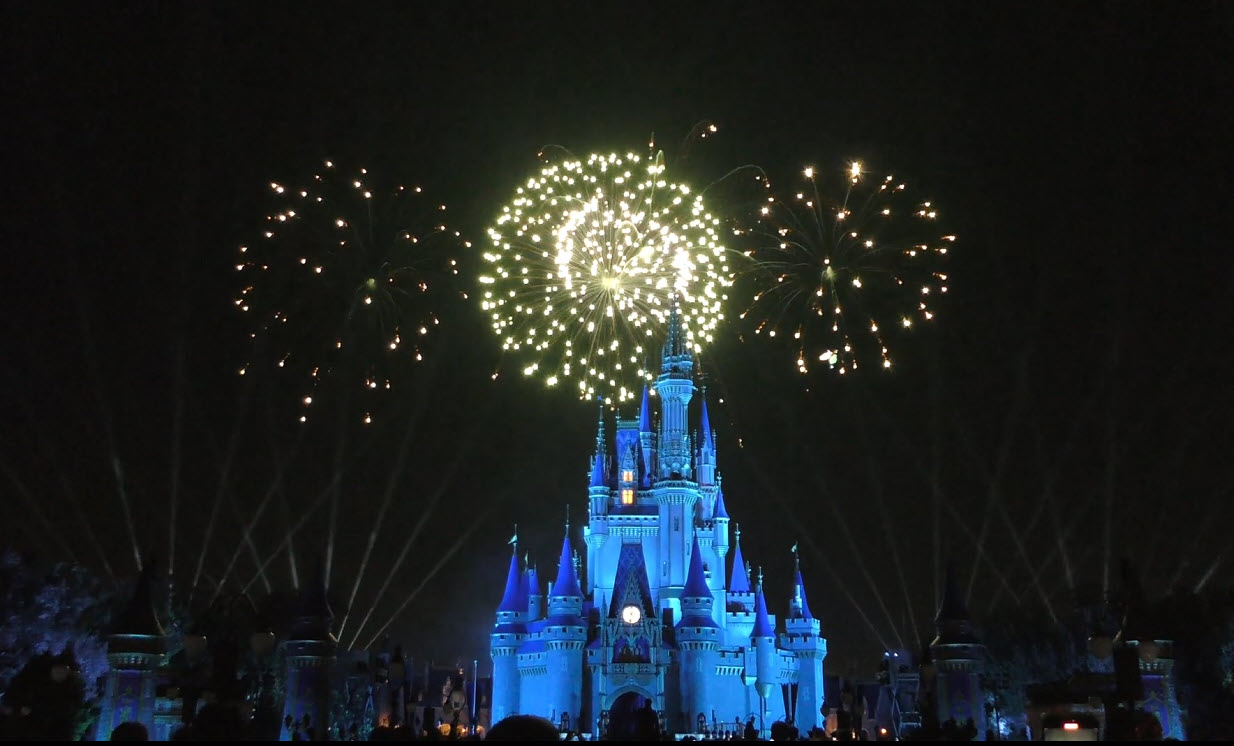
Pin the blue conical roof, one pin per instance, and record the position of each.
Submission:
(567, 581)
(762, 623)
(533, 582)
(597, 471)
(801, 593)
(510, 600)
(644, 412)
(719, 511)
(696, 580)
(739, 582)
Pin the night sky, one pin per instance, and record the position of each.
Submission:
(1067, 408)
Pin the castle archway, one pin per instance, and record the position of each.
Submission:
(623, 715)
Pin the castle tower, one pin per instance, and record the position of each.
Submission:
(675, 387)
(135, 649)
(507, 636)
(804, 640)
(310, 653)
(564, 634)
(959, 660)
(675, 494)
(763, 641)
(719, 543)
(698, 639)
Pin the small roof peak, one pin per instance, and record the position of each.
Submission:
(696, 579)
(567, 580)
(762, 621)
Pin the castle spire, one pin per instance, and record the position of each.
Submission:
(567, 580)
(720, 511)
(696, 580)
(644, 411)
(762, 622)
(708, 439)
(740, 581)
(598, 475)
(510, 600)
(674, 343)
(800, 607)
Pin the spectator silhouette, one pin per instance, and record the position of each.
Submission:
(751, 733)
(648, 727)
(523, 728)
(130, 731)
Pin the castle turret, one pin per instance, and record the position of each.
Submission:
(698, 639)
(719, 539)
(135, 649)
(763, 640)
(959, 660)
(803, 639)
(310, 653)
(508, 634)
(675, 495)
(564, 634)
(739, 600)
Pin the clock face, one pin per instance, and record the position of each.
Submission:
(631, 614)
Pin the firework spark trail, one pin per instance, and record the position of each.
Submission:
(402, 556)
(1004, 452)
(224, 476)
(342, 281)
(33, 506)
(843, 273)
(597, 252)
(888, 531)
(431, 574)
(177, 434)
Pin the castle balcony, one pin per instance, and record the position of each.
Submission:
(632, 669)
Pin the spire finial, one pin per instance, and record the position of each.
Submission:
(796, 557)
(514, 540)
(600, 425)
(760, 577)
(567, 519)
(737, 531)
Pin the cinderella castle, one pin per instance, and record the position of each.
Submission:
(655, 617)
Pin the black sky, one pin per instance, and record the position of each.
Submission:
(1079, 369)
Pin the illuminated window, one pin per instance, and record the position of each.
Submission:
(627, 476)
(627, 497)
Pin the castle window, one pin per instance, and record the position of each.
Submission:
(627, 475)
(627, 497)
